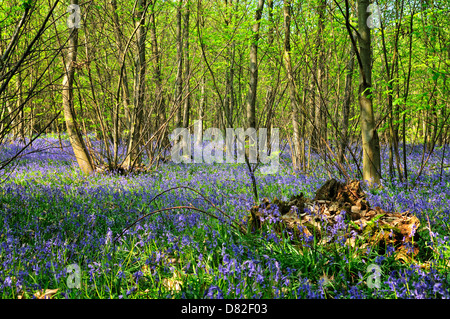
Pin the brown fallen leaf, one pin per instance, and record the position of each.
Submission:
(408, 225)
(326, 280)
(172, 284)
(47, 294)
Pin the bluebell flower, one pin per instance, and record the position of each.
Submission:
(213, 292)
(7, 282)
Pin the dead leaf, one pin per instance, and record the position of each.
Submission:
(47, 294)
(326, 280)
(406, 227)
(172, 284)
(350, 242)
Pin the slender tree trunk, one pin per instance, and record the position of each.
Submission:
(179, 78)
(187, 72)
(133, 157)
(408, 78)
(201, 109)
(20, 116)
(291, 84)
(203, 95)
(251, 97)
(393, 128)
(312, 102)
(347, 101)
(396, 116)
(312, 108)
(390, 70)
(159, 92)
(270, 96)
(125, 87)
(229, 91)
(320, 113)
(125, 90)
(76, 140)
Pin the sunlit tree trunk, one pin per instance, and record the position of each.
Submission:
(76, 140)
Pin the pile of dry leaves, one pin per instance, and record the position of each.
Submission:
(335, 205)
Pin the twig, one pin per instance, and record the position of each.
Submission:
(241, 229)
(237, 225)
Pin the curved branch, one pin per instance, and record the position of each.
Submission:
(241, 229)
(236, 224)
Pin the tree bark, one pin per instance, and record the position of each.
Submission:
(251, 97)
(229, 92)
(159, 92)
(370, 140)
(347, 101)
(187, 72)
(133, 156)
(124, 83)
(320, 113)
(76, 140)
(291, 85)
(271, 92)
(179, 78)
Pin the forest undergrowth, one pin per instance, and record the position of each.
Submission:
(54, 219)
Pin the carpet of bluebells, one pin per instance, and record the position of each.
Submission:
(53, 216)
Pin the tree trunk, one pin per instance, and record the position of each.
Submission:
(179, 78)
(187, 72)
(320, 113)
(133, 155)
(201, 110)
(370, 140)
(271, 92)
(251, 97)
(347, 101)
(159, 93)
(291, 84)
(124, 84)
(229, 91)
(76, 140)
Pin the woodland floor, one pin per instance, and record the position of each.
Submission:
(51, 217)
